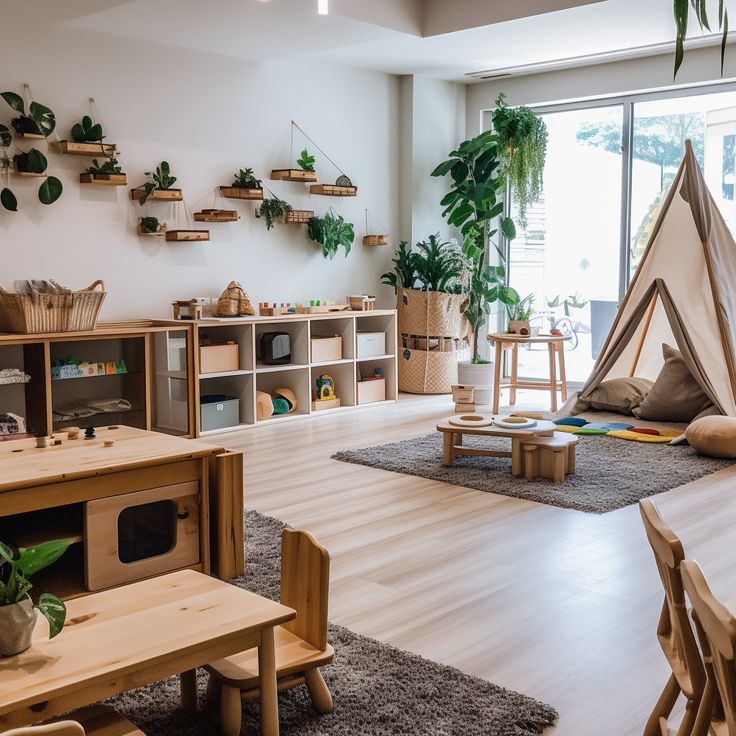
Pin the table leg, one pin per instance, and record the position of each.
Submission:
(563, 376)
(514, 372)
(189, 689)
(449, 438)
(516, 456)
(267, 677)
(458, 441)
(497, 376)
(552, 377)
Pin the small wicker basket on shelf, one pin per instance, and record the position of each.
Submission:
(35, 312)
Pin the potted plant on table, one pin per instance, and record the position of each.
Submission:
(519, 312)
(17, 611)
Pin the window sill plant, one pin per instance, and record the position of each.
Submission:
(17, 611)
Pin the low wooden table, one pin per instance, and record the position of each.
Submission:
(454, 441)
(121, 639)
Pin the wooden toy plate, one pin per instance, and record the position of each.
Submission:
(471, 420)
(515, 422)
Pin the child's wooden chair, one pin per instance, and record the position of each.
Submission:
(674, 631)
(716, 627)
(96, 720)
(301, 644)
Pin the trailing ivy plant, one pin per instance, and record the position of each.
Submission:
(681, 14)
(522, 144)
(330, 232)
(246, 179)
(273, 210)
(305, 161)
(39, 120)
(87, 131)
(160, 179)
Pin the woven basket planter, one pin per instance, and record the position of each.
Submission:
(429, 371)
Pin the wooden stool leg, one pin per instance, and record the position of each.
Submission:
(497, 376)
(318, 691)
(214, 689)
(529, 462)
(449, 438)
(231, 711)
(268, 683)
(188, 681)
(514, 372)
(571, 460)
(563, 375)
(458, 439)
(552, 377)
(516, 457)
(558, 467)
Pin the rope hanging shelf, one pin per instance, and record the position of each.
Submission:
(373, 240)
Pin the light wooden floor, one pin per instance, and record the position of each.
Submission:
(558, 604)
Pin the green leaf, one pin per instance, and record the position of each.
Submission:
(43, 117)
(724, 39)
(8, 200)
(78, 133)
(443, 168)
(508, 228)
(37, 162)
(94, 133)
(50, 190)
(14, 100)
(6, 137)
(32, 559)
(86, 122)
(681, 10)
(55, 612)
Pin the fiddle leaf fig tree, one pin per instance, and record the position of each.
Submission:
(474, 201)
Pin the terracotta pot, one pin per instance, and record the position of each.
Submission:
(17, 622)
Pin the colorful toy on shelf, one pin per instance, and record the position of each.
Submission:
(266, 309)
(361, 302)
(318, 306)
(377, 375)
(284, 401)
(74, 368)
(325, 397)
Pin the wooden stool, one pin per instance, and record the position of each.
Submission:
(549, 457)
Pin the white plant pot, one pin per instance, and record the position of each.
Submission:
(17, 622)
(479, 375)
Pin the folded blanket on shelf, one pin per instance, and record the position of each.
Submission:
(90, 407)
(13, 375)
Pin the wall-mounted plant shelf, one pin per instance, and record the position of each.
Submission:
(293, 175)
(73, 148)
(216, 216)
(298, 217)
(332, 190)
(187, 236)
(161, 195)
(241, 193)
(375, 240)
(110, 180)
(155, 234)
(31, 136)
(29, 173)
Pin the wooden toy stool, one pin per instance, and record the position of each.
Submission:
(550, 457)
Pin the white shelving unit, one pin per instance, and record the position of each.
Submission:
(299, 375)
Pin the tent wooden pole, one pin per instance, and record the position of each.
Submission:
(647, 322)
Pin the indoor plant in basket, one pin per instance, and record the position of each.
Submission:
(17, 611)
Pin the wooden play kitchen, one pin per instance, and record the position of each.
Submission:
(537, 451)
(124, 638)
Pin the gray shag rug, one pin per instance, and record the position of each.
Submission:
(377, 689)
(610, 473)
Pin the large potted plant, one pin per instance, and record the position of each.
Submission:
(474, 202)
(17, 611)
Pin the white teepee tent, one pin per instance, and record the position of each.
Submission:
(683, 293)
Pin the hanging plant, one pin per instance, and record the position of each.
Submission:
(273, 210)
(522, 148)
(681, 13)
(330, 232)
(39, 120)
(87, 131)
(34, 162)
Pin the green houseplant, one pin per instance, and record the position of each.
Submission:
(34, 162)
(17, 612)
(273, 210)
(160, 179)
(87, 131)
(149, 225)
(522, 148)
(246, 179)
(38, 121)
(111, 166)
(306, 161)
(403, 275)
(330, 232)
(699, 7)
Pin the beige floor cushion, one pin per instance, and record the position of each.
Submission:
(619, 395)
(713, 436)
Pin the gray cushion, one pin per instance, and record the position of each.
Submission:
(619, 395)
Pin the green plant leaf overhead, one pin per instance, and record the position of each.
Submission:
(50, 190)
(8, 200)
(37, 162)
(43, 117)
(681, 12)
(306, 162)
(55, 612)
(15, 101)
(6, 137)
(31, 560)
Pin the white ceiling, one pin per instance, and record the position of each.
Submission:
(397, 36)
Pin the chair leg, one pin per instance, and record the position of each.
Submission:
(188, 682)
(688, 719)
(558, 467)
(231, 711)
(663, 708)
(214, 690)
(514, 373)
(318, 691)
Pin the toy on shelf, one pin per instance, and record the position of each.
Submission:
(264, 406)
(316, 306)
(361, 302)
(325, 395)
(284, 401)
(265, 309)
(464, 398)
(376, 376)
(234, 302)
(188, 309)
(13, 375)
(73, 368)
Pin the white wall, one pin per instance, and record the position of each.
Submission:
(208, 116)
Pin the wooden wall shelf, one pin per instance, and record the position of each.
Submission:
(294, 175)
(241, 193)
(298, 217)
(29, 173)
(73, 148)
(214, 215)
(332, 190)
(157, 234)
(158, 195)
(31, 136)
(187, 236)
(373, 240)
(110, 180)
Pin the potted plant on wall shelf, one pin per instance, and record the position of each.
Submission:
(330, 232)
(17, 612)
(151, 226)
(107, 173)
(158, 187)
(87, 137)
(244, 186)
(7, 198)
(34, 163)
(39, 122)
(305, 172)
(273, 210)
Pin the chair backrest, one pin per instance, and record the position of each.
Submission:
(674, 631)
(717, 629)
(305, 585)
(60, 728)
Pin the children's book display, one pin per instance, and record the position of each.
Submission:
(74, 368)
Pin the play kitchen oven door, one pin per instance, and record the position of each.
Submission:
(138, 535)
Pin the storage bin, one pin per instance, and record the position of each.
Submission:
(371, 391)
(371, 344)
(219, 358)
(326, 348)
(218, 411)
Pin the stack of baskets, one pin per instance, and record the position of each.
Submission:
(33, 311)
(434, 336)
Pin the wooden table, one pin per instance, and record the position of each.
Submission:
(556, 347)
(121, 639)
(453, 437)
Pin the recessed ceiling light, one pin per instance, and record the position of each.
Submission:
(322, 8)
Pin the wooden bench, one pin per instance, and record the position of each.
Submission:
(549, 457)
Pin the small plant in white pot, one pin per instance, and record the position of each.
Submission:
(17, 612)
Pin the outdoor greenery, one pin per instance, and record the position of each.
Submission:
(475, 199)
(305, 161)
(522, 149)
(331, 232)
(16, 572)
(87, 131)
(273, 210)
(160, 179)
(246, 178)
(700, 7)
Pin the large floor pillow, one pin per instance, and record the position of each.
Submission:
(676, 396)
(713, 436)
(619, 395)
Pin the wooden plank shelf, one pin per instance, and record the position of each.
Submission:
(157, 234)
(298, 217)
(187, 236)
(241, 193)
(31, 136)
(159, 195)
(322, 308)
(373, 240)
(73, 148)
(216, 216)
(110, 180)
(29, 173)
(332, 190)
(294, 175)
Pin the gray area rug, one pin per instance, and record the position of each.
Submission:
(377, 689)
(611, 473)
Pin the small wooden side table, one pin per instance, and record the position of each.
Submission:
(556, 346)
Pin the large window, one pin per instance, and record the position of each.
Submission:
(581, 246)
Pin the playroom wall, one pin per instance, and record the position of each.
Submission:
(207, 115)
